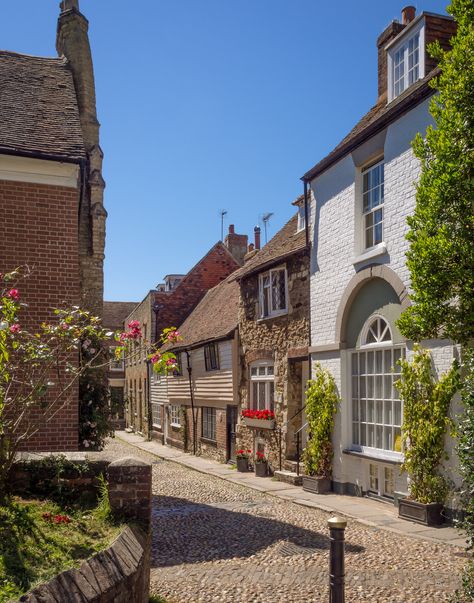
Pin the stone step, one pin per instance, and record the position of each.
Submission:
(290, 465)
(289, 477)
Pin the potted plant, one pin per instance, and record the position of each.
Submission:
(425, 420)
(259, 419)
(242, 457)
(261, 464)
(322, 401)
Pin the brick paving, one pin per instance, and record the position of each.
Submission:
(216, 541)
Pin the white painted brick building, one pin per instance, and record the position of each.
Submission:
(360, 197)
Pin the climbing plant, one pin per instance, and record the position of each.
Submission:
(322, 401)
(425, 422)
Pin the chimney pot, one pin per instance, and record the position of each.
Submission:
(408, 14)
(231, 229)
(251, 247)
(256, 232)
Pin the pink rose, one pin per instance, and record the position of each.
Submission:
(15, 328)
(14, 294)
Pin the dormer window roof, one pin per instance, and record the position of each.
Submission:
(406, 59)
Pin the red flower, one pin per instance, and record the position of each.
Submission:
(265, 415)
(14, 294)
(15, 328)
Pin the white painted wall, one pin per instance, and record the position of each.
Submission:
(335, 209)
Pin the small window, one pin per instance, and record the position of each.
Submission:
(156, 410)
(209, 424)
(114, 363)
(372, 204)
(273, 293)
(301, 218)
(211, 356)
(377, 331)
(175, 417)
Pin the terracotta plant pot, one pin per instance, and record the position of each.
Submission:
(317, 485)
(261, 469)
(429, 514)
(242, 465)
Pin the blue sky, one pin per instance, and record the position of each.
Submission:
(208, 105)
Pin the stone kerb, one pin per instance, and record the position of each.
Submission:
(129, 482)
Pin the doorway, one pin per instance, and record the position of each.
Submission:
(232, 414)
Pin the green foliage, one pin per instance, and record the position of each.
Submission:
(322, 401)
(156, 599)
(94, 396)
(425, 421)
(103, 511)
(441, 254)
(34, 550)
(466, 445)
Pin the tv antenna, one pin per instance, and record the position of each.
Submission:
(222, 213)
(265, 219)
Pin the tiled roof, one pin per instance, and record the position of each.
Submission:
(285, 243)
(38, 107)
(215, 316)
(374, 121)
(114, 313)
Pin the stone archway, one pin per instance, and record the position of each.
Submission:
(354, 286)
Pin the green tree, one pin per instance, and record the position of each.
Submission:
(441, 235)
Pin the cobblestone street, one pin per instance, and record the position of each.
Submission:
(217, 541)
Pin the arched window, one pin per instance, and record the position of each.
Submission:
(377, 330)
(376, 406)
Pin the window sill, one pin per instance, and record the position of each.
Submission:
(370, 253)
(270, 316)
(175, 426)
(392, 459)
(208, 441)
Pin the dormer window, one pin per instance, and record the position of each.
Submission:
(301, 218)
(406, 62)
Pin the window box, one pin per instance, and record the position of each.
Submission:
(259, 423)
(317, 485)
(430, 514)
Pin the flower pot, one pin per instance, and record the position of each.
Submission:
(315, 484)
(242, 465)
(259, 423)
(261, 469)
(428, 514)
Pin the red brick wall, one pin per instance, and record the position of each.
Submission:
(39, 228)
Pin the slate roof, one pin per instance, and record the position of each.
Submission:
(215, 317)
(374, 121)
(286, 242)
(114, 313)
(38, 107)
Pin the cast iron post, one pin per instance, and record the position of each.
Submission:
(337, 525)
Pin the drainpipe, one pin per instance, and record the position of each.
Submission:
(188, 359)
(148, 392)
(306, 221)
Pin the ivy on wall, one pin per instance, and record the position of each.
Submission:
(425, 422)
(322, 400)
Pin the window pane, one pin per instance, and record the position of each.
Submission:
(269, 370)
(355, 410)
(261, 370)
(255, 395)
(378, 436)
(378, 362)
(379, 411)
(272, 396)
(261, 395)
(355, 387)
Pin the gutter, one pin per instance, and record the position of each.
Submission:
(44, 156)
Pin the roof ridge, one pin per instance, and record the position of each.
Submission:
(61, 59)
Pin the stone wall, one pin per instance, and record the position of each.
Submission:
(121, 573)
(276, 339)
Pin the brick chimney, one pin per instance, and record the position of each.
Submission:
(72, 41)
(388, 34)
(408, 14)
(256, 232)
(236, 244)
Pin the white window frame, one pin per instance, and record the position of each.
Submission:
(371, 211)
(369, 412)
(378, 476)
(114, 364)
(403, 47)
(262, 374)
(301, 218)
(209, 422)
(175, 415)
(156, 414)
(261, 287)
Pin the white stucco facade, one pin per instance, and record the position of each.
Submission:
(338, 256)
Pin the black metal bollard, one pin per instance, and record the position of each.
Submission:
(337, 525)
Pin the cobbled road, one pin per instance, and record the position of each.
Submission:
(216, 541)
